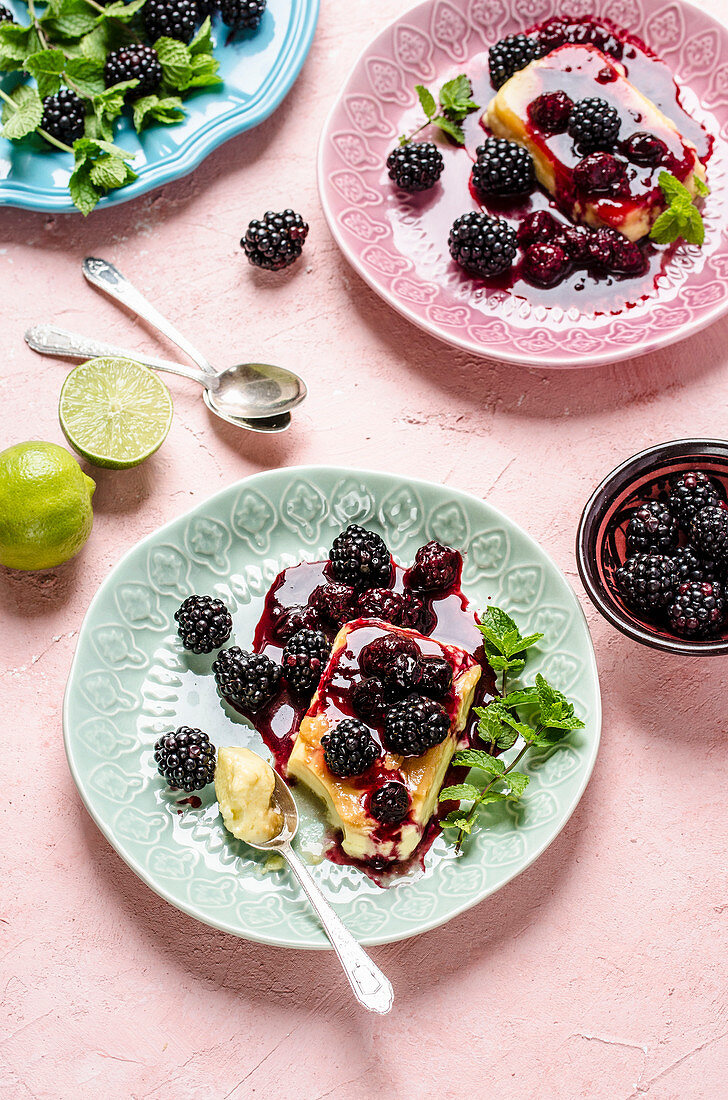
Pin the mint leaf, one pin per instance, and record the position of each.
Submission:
(456, 98)
(476, 758)
(682, 218)
(693, 226)
(667, 228)
(451, 128)
(202, 42)
(46, 66)
(25, 113)
(427, 100)
(204, 72)
(459, 792)
(496, 626)
(71, 19)
(87, 75)
(456, 819)
(97, 44)
(109, 172)
(517, 782)
(673, 189)
(175, 61)
(701, 187)
(122, 11)
(84, 193)
(107, 106)
(16, 43)
(152, 108)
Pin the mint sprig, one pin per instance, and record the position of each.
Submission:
(66, 45)
(538, 714)
(454, 104)
(682, 218)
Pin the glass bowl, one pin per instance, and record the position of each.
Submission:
(600, 540)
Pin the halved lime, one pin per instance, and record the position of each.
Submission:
(114, 412)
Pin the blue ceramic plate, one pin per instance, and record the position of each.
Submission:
(257, 72)
(131, 681)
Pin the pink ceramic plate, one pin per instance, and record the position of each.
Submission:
(398, 244)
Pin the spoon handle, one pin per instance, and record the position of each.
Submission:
(371, 988)
(50, 340)
(102, 274)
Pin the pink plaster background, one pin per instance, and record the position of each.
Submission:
(601, 971)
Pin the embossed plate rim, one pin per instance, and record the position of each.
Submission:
(281, 479)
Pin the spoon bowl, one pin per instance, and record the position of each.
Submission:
(253, 390)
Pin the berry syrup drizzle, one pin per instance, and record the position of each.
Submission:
(447, 619)
(586, 289)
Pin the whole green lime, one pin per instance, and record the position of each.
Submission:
(45, 506)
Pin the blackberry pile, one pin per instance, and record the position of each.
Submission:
(676, 567)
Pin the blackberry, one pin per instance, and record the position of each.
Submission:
(64, 116)
(381, 603)
(691, 567)
(204, 623)
(690, 492)
(377, 658)
(600, 174)
(538, 228)
(246, 680)
(414, 725)
(709, 531)
(276, 241)
(296, 618)
(436, 568)
(644, 149)
(6, 16)
(242, 15)
(360, 558)
(627, 257)
(389, 804)
(434, 677)
(482, 245)
(402, 675)
(546, 264)
(304, 659)
(652, 527)
(170, 19)
(334, 602)
(699, 609)
(349, 749)
(550, 112)
(647, 581)
(207, 7)
(416, 166)
(368, 699)
(503, 167)
(186, 758)
(511, 54)
(135, 62)
(574, 239)
(594, 124)
(558, 32)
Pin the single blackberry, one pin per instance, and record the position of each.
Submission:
(511, 54)
(558, 31)
(436, 568)
(334, 602)
(135, 62)
(204, 623)
(416, 166)
(402, 675)
(699, 609)
(389, 804)
(503, 167)
(186, 758)
(652, 527)
(304, 659)
(64, 116)
(170, 19)
(377, 658)
(709, 532)
(381, 603)
(647, 581)
(538, 228)
(690, 492)
(275, 241)
(691, 567)
(414, 725)
(546, 264)
(627, 257)
(360, 558)
(594, 124)
(434, 677)
(6, 16)
(482, 245)
(246, 680)
(368, 698)
(349, 749)
(550, 112)
(296, 618)
(242, 15)
(644, 149)
(575, 239)
(600, 174)
(207, 7)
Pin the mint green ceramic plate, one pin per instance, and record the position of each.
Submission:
(131, 680)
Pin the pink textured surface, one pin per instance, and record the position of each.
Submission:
(600, 972)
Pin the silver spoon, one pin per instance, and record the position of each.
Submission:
(52, 340)
(278, 390)
(371, 988)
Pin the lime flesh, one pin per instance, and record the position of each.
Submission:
(114, 412)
